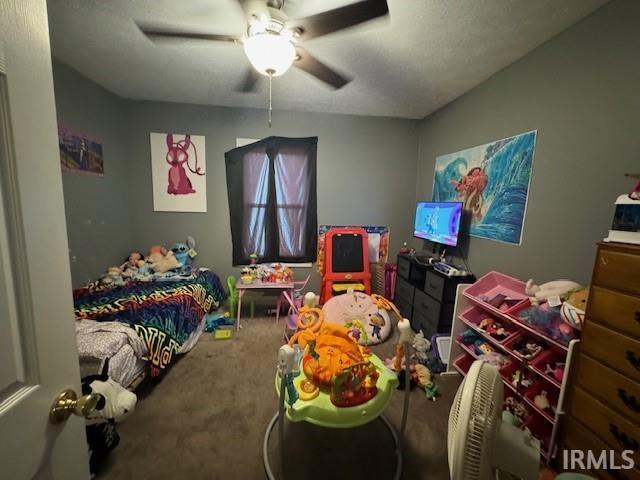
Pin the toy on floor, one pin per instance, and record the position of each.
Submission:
(541, 293)
(420, 347)
(216, 320)
(368, 314)
(425, 381)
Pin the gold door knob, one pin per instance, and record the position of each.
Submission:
(68, 402)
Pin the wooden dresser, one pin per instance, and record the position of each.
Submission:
(604, 396)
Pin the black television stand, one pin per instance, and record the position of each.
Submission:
(426, 296)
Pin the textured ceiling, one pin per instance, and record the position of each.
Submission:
(427, 53)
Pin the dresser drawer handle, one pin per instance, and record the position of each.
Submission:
(425, 306)
(433, 287)
(625, 441)
(629, 400)
(633, 359)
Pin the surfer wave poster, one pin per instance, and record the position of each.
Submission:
(493, 182)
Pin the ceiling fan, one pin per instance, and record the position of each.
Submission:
(273, 40)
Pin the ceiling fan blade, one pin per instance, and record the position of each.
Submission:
(156, 34)
(257, 8)
(249, 82)
(322, 72)
(339, 18)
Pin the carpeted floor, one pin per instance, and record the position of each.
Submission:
(207, 419)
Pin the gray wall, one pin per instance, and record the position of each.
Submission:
(580, 91)
(366, 172)
(97, 208)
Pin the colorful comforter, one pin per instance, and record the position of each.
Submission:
(163, 314)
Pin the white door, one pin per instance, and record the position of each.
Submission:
(38, 356)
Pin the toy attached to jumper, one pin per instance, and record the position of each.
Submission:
(358, 311)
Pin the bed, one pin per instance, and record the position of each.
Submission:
(141, 327)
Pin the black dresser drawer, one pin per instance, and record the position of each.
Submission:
(428, 325)
(403, 267)
(434, 285)
(426, 307)
(404, 291)
(406, 309)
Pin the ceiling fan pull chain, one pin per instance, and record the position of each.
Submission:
(270, 109)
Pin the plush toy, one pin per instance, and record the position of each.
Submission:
(114, 404)
(468, 337)
(157, 249)
(113, 277)
(420, 346)
(542, 401)
(540, 293)
(425, 381)
(574, 307)
(162, 264)
(185, 252)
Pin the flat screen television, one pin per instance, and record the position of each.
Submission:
(438, 222)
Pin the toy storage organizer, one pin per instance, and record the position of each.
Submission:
(470, 309)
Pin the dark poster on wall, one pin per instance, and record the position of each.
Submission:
(79, 153)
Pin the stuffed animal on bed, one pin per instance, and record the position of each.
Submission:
(163, 263)
(185, 252)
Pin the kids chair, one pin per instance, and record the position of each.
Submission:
(233, 298)
(346, 262)
(298, 290)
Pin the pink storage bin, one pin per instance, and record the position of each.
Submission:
(552, 395)
(474, 315)
(506, 372)
(463, 363)
(494, 283)
(556, 330)
(541, 429)
(549, 357)
(524, 335)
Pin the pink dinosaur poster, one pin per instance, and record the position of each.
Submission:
(179, 172)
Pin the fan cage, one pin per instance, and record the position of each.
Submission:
(484, 403)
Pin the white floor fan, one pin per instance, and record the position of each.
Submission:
(481, 446)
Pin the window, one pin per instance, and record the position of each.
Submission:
(271, 186)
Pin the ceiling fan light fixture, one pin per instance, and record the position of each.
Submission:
(269, 53)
